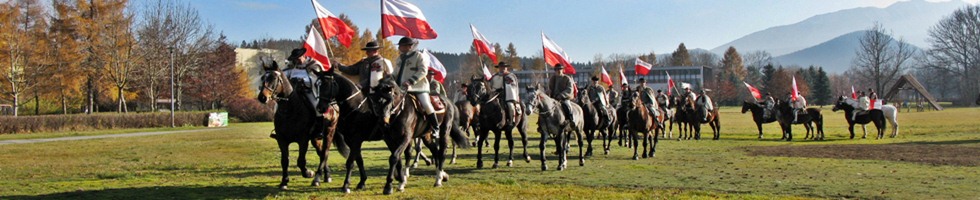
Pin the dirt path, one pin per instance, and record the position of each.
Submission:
(956, 153)
(28, 141)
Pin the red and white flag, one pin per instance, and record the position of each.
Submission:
(483, 46)
(670, 83)
(605, 77)
(553, 54)
(642, 68)
(398, 17)
(796, 91)
(622, 76)
(434, 64)
(331, 25)
(486, 73)
(316, 48)
(854, 94)
(755, 92)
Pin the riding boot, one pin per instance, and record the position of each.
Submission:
(434, 124)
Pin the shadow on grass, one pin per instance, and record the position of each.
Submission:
(950, 142)
(163, 192)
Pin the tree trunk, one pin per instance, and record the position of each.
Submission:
(37, 103)
(89, 93)
(64, 103)
(121, 101)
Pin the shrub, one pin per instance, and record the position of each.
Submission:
(249, 110)
(98, 121)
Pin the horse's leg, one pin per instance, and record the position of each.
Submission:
(646, 137)
(322, 170)
(360, 168)
(301, 161)
(418, 153)
(892, 118)
(715, 128)
(589, 136)
(510, 144)
(636, 154)
(437, 148)
(355, 151)
(397, 146)
(408, 159)
(850, 128)
(453, 161)
(607, 139)
(284, 162)
(481, 135)
(653, 148)
(581, 154)
(544, 139)
(496, 148)
(864, 128)
(560, 148)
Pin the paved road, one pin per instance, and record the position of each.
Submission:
(28, 141)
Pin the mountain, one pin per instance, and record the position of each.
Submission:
(835, 55)
(910, 20)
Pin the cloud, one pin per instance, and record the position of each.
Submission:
(251, 5)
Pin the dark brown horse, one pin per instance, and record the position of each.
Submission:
(696, 118)
(682, 113)
(594, 120)
(295, 121)
(491, 119)
(784, 114)
(873, 116)
(758, 115)
(645, 123)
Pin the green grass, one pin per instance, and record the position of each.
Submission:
(243, 163)
(23, 136)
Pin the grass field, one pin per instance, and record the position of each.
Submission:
(242, 163)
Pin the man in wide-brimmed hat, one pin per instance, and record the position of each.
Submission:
(505, 85)
(562, 89)
(598, 95)
(646, 96)
(410, 73)
(297, 69)
(370, 69)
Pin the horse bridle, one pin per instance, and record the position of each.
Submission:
(278, 84)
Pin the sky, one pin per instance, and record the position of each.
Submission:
(583, 28)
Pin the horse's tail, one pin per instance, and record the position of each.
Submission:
(459, 137)
(338, 141)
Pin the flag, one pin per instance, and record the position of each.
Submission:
(872, 107)
(435, 65)
(755, 92)
(486, 72)
(553, 54)
(670, 83)
(642, 68)
(483, 46)
(316, 48)
(605, 77)
(331, 25)
(854, 94)
(399, 17)
(796, 91)
(622, 76)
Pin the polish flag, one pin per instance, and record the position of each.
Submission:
(486, 72)
(670, 83)
(399, 17)
(873, 101)
(553, 54)
(316, 48)
(854, 94)
(622, 76)
(755, 92)
(642, 68)
(796, 91)
(436, 65)
(605, 77)
(483, 46)
(331, 25)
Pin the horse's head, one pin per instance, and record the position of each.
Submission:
(842, 104)
(274, 84)
(746, 106)
(535, 103)
(477, 90)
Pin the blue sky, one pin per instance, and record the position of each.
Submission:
(582, 28)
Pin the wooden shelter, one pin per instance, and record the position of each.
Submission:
(909, 82)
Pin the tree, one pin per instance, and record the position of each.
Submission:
(822, 94)
(955, 43)
(65, 48)
(731, 65)
(512, 58)
(25, 34)
(220, 80)
(118, 61)
(681, 57)
(881, 60)
(768, 73)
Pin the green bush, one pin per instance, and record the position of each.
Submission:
(98, 121)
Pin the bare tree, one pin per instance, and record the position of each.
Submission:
(955, 49)
(881, 59)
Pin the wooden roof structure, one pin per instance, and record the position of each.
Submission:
(916, 86)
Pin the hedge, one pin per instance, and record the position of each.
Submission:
(98, 121)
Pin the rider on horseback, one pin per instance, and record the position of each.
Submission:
(599, 96)
(371, 70)
(563, 89)
(799, 106)
(505, 83)
(863, 106)
(646, 95)
(411, 74)
(661, 97)
(768, 102)
(298, 72)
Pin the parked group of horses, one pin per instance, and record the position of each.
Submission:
(344, 116)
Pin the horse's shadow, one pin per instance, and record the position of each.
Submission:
(162, 192)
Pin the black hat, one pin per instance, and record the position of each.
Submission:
(501, 64)
(643, 80)
(559, 66)
(767, 93)
(595, 78)
(658, 91)
(407, 41)
(432, 72)
(372, 45)
(296, 53)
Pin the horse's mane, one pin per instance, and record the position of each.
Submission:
(347, 88)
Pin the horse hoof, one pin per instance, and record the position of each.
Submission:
(346, 190)
(387, 190)
(453, 161)
(438, 184)
(494, 166)
(581, 162)
(544, 168)
(329, 180)
(644, 155)
(527, 159)
(415, 165)
(510, 163)
(636, 157)
(307, 174)
(315, 184)
(479, 165)
(607, 152)
(360, 186)
(283, 187)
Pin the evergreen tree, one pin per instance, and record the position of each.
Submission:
(822, 93)
(768, 73)
(681, 57)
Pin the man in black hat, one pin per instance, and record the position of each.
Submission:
(370, 69)
(768, 102)
(663, 100)
(298, 71)
(505, 85)
(562, 89)
(598, 95)
(411, 74)
(646, 95)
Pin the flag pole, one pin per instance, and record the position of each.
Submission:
(322, 35)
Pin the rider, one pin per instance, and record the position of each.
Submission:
(649, 101)
(371, 70)
(661, 97)
(411, 74)
(600, 96)
(297, 70)
(708, 105)
(799, 106)
(562, 89)
(768, 102)
(504, 83)
(864, 103)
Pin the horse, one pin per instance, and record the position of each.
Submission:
(641, 121)
(358, 123)
(491, 119)
(551, 121)
(295, 121)
(876, 116)
(622, 116)
(696, 118)
(681, 114)
(594, 121)
(784, 114)
(758, 115)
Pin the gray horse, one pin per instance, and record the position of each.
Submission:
(551, 120)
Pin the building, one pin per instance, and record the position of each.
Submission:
(248, 59)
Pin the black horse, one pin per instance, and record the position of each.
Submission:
(681, 114)
(784, 114)
(491, 119)
(758, 115)
(358, 123)
(295, 121)
(873, 116)
(594, 120)
(622, 116)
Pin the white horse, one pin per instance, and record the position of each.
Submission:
(890, 112)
